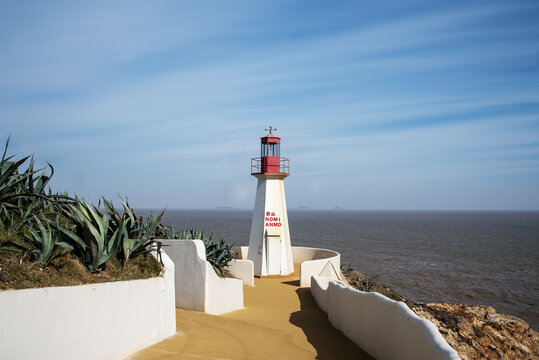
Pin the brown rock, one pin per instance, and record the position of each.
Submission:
(478, 332)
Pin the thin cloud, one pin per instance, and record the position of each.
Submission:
(174, 98)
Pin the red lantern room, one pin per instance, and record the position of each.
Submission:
(270, 160)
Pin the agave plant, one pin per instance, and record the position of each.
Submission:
(10, 178)
(113, 214)
(24, 212)
(140, 241)
(36, 185)
(91, 232)
(194, 234)
(138, 234)
(219, 254)
(22, 193)
(95, 236)
(14, 184)
(40, 240)
(166, 232)
(10, 182)
(44, 240)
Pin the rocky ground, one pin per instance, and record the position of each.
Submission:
(474, 331)
(479, 332)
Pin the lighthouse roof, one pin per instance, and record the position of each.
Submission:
(270, 138)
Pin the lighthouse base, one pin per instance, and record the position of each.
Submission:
(269, 244)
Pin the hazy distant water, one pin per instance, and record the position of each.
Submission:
(457, 257)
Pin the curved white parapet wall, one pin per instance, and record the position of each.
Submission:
(313, 262)
(385, 328)
(242, 268)
(197, 285)
(316, 262)
(319, 290)
(96, 321)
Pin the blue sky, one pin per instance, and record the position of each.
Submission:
(380, 105)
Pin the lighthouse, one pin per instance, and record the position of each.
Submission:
(269, 244)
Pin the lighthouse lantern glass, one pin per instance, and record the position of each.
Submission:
(270, 149)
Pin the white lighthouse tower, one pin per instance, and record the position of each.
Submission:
(269, 244)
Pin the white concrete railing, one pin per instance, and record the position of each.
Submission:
(242, 268)
(316, 262)
(385, 328)
(313, 262)
(95, 321)
(197, 285)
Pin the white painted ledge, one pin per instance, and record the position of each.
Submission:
(197, 285)
(316, 262)
(313, 262)
(319, 290)
(242, 268)
(96, 321)
(385, 328)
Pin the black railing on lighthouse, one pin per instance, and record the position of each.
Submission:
(258, 168)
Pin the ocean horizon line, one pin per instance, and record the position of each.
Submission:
(225, 208)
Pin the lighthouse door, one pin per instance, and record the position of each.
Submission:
(273, 252)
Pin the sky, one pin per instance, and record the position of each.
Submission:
(404, 105)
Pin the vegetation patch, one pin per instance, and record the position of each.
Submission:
(51, 239)
(362, 282)
(69, 271)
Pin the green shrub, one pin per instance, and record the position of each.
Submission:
(44, 241)
(218, 254)
(96, 238)
(44, 226)
(22, 194)
(139, 234)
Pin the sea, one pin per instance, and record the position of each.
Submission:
(470, 257)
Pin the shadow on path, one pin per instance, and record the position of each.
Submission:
(292, 283)
(329, 342)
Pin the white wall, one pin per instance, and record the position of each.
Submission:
(385, 328)
(313, 262)
(197, 285)
(319, 287)
(316, 262)
(222, 294)
(190, 272)
(243, 270)
(97, 321)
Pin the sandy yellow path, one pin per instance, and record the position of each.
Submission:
(280, 321)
